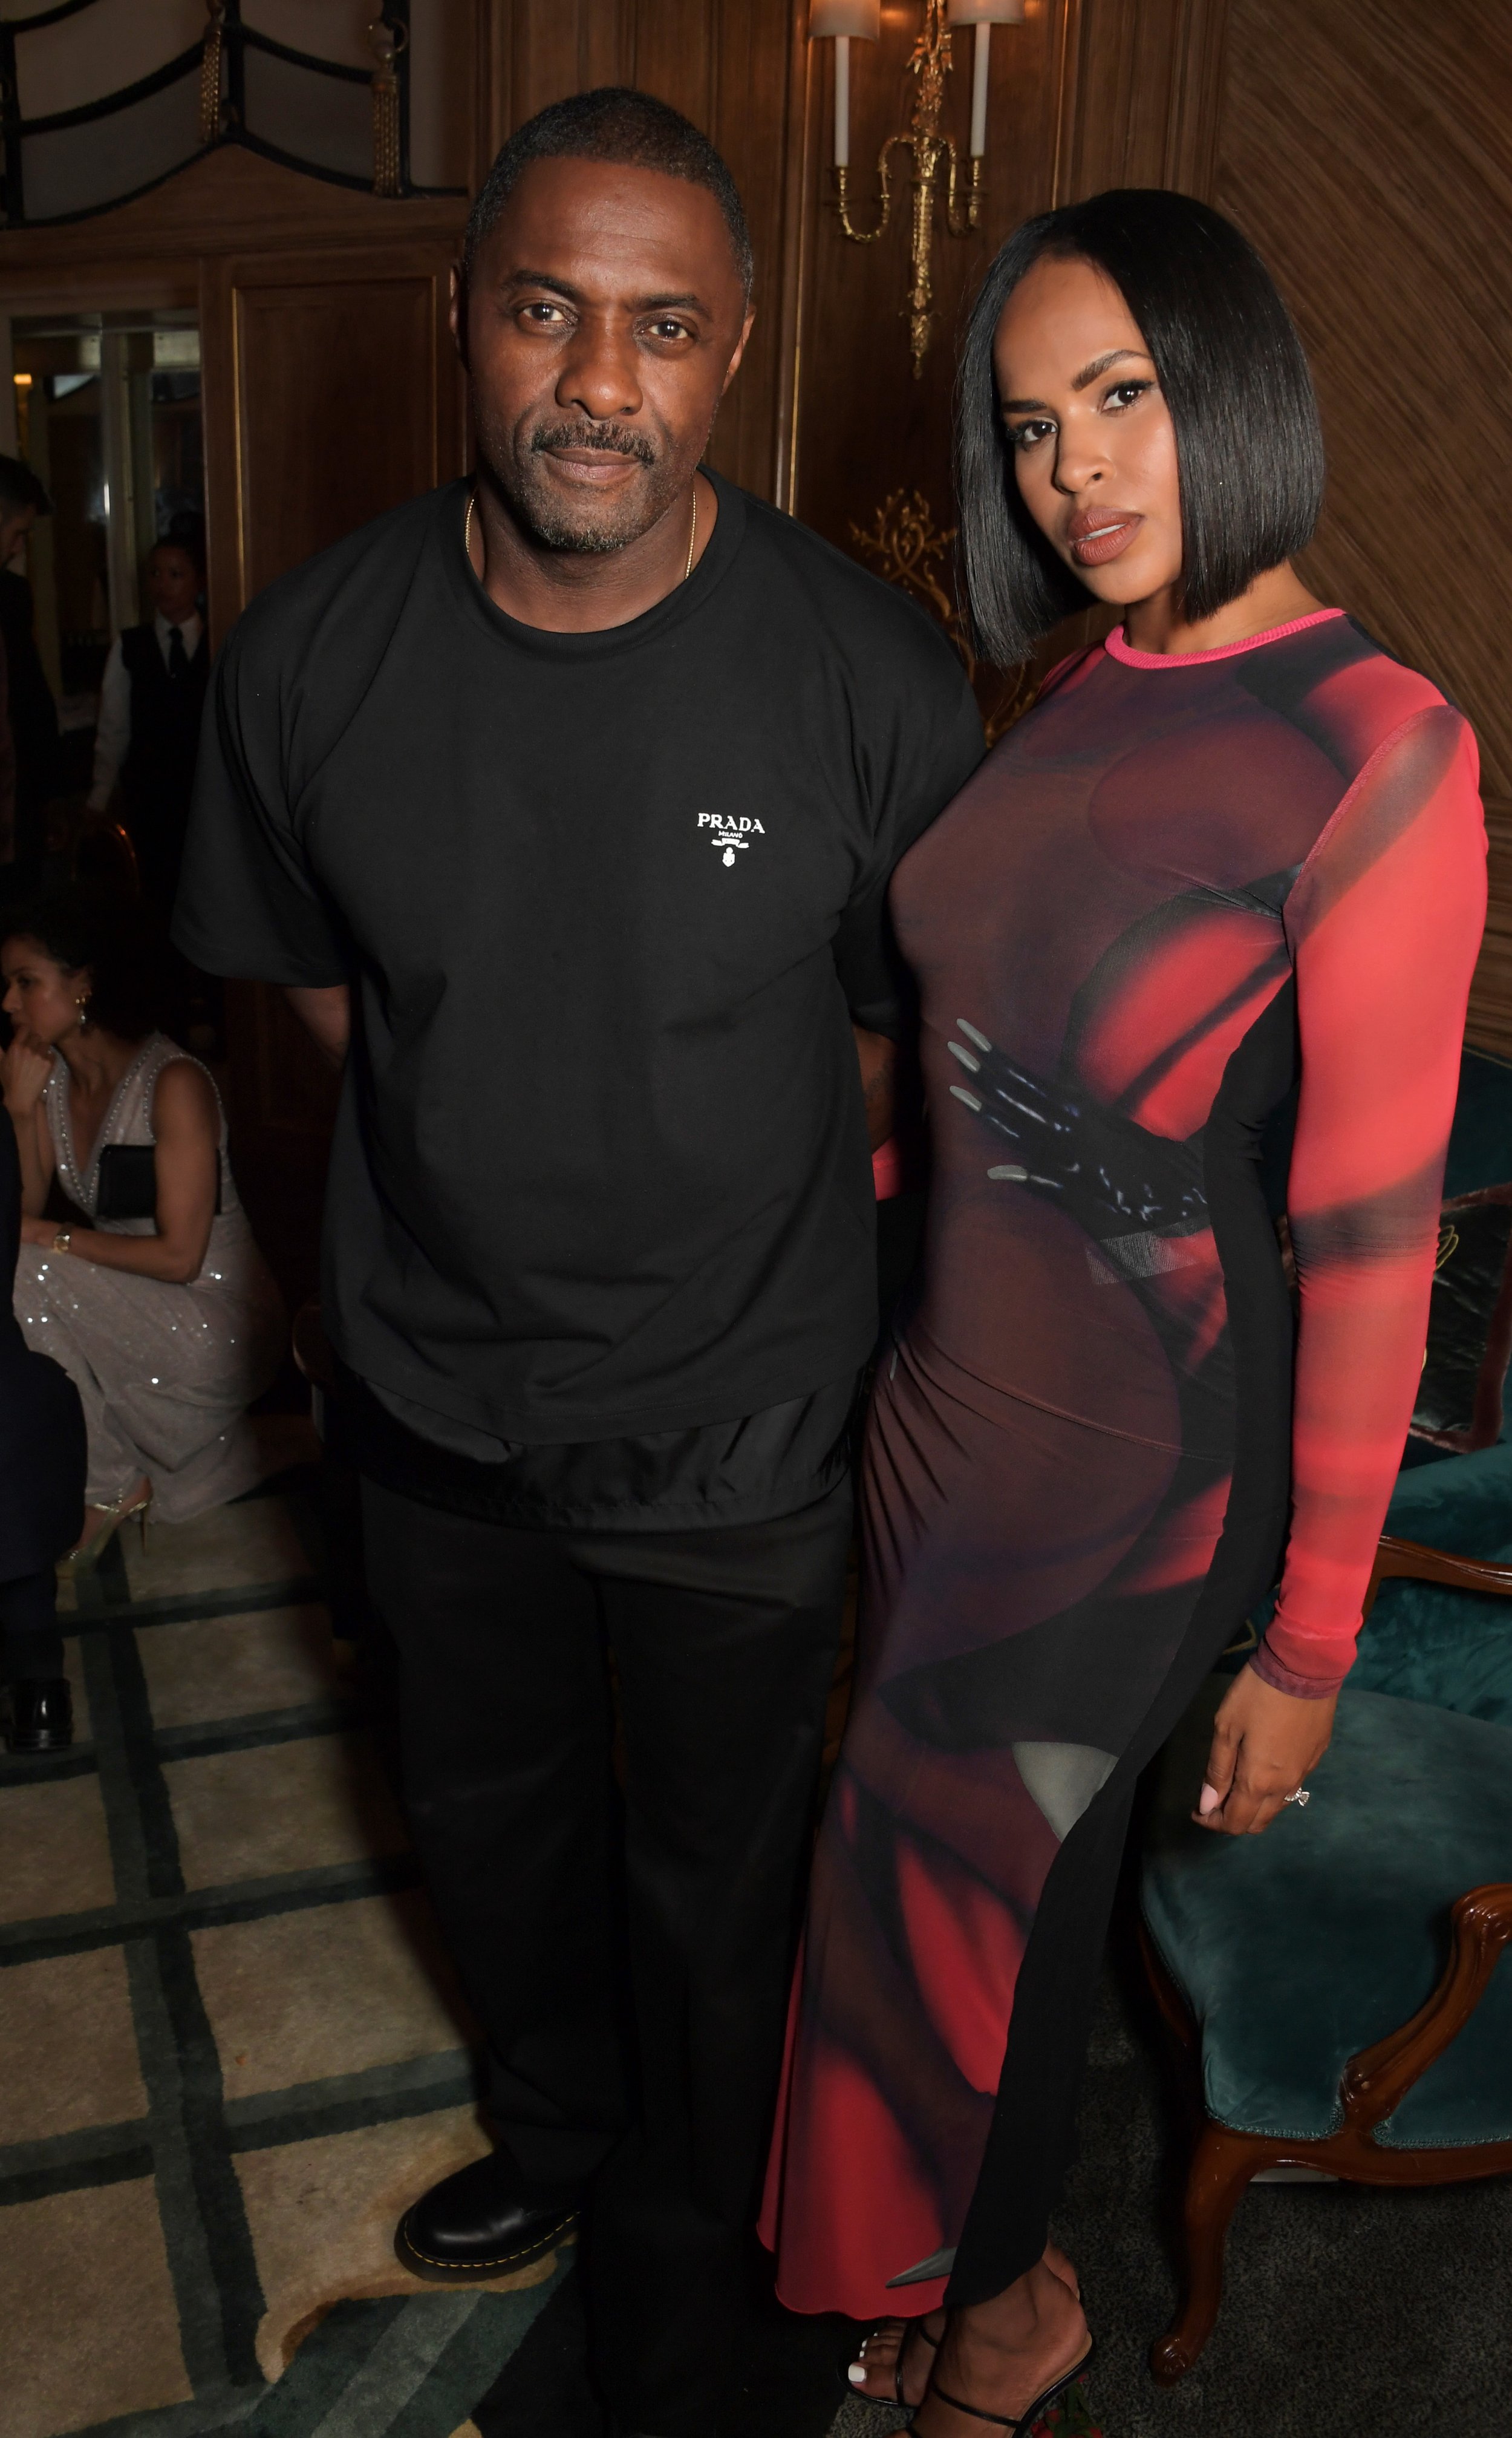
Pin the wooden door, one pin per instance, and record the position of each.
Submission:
(331, 393)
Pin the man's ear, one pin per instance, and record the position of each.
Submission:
(733, 365)
(457, 313)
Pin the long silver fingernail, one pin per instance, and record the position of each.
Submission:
(972, 1034)
(959, 1092)
(1014, 1176)
(973, 1065)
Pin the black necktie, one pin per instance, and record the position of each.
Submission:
(178, 657)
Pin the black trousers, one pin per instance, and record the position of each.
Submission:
(628, 1957)
(30, 1643)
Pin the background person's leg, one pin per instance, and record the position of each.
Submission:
(725, 1641)
(36, 1711)
(505, 1733)
(31, 1646)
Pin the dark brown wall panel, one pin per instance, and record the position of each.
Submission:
(338, 410)
(1365, 150)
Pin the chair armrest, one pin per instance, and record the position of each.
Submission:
(1427, 1565)
(1379, 2079)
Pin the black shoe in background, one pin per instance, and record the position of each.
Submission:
(39, 1715)
(475, 2225)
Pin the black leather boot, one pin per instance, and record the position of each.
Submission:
(476, 2225)
(39, 1715)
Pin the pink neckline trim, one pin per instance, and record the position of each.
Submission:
(1122, 651)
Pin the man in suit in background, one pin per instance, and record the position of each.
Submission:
(151, 703)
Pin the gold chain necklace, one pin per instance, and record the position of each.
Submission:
(693, 538)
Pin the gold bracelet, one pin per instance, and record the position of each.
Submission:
(62, 1242)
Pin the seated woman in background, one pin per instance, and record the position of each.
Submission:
(162, 1309)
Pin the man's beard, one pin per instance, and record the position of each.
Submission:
(591, 524)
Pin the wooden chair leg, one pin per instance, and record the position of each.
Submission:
(1222, 2165)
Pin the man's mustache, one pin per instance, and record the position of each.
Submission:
(613, 436)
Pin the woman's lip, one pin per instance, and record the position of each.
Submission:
(1105, 541)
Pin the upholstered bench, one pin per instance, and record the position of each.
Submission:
(1335, 1982)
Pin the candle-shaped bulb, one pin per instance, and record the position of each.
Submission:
(842, 101)
(980, 66)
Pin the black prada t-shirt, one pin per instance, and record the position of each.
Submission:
(607, 903)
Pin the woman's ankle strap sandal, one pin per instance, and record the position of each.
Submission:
(1025, 2424)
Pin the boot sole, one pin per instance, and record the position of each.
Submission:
(479, 2273)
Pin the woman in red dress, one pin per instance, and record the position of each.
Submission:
(1232, 863)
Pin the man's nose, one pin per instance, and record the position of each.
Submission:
(601, 374)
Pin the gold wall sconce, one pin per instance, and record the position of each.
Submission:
(847, 21)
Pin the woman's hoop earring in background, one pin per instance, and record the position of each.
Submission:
(466, 531)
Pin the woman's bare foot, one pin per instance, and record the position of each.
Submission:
(1001, 2356)
(874, 2371)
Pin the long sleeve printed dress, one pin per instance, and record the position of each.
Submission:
(1183, 886)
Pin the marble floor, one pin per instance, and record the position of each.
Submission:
(230, 2045)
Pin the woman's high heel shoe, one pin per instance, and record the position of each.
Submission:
(137, 1502)
(1025, 2423)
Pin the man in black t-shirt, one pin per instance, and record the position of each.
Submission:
(564, 804)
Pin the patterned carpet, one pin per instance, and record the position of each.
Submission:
(229, 2044)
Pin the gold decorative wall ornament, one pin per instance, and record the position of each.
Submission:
(847, 21)
(906, 547)
(386, 41)
(210, 71)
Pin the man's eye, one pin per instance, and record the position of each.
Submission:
(542, 313)
(668, 329)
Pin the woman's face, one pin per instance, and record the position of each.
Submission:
(1093, 442)
(40, 996)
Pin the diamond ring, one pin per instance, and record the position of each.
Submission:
(1300, 1797)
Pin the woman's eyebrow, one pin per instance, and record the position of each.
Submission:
(1101, 363)
(1083, 378)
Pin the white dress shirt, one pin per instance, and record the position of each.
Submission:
(112, 730)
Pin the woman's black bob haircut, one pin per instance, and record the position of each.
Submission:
(1248, 444)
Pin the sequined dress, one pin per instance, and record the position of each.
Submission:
(166, 1373)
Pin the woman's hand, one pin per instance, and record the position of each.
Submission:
(1264, 1744)
(24, 1073)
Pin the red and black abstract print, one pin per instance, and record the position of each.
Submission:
(1183, 893)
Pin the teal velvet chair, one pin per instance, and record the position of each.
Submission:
(1334, 1985)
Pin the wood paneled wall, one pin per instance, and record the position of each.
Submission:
(1365, 149)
